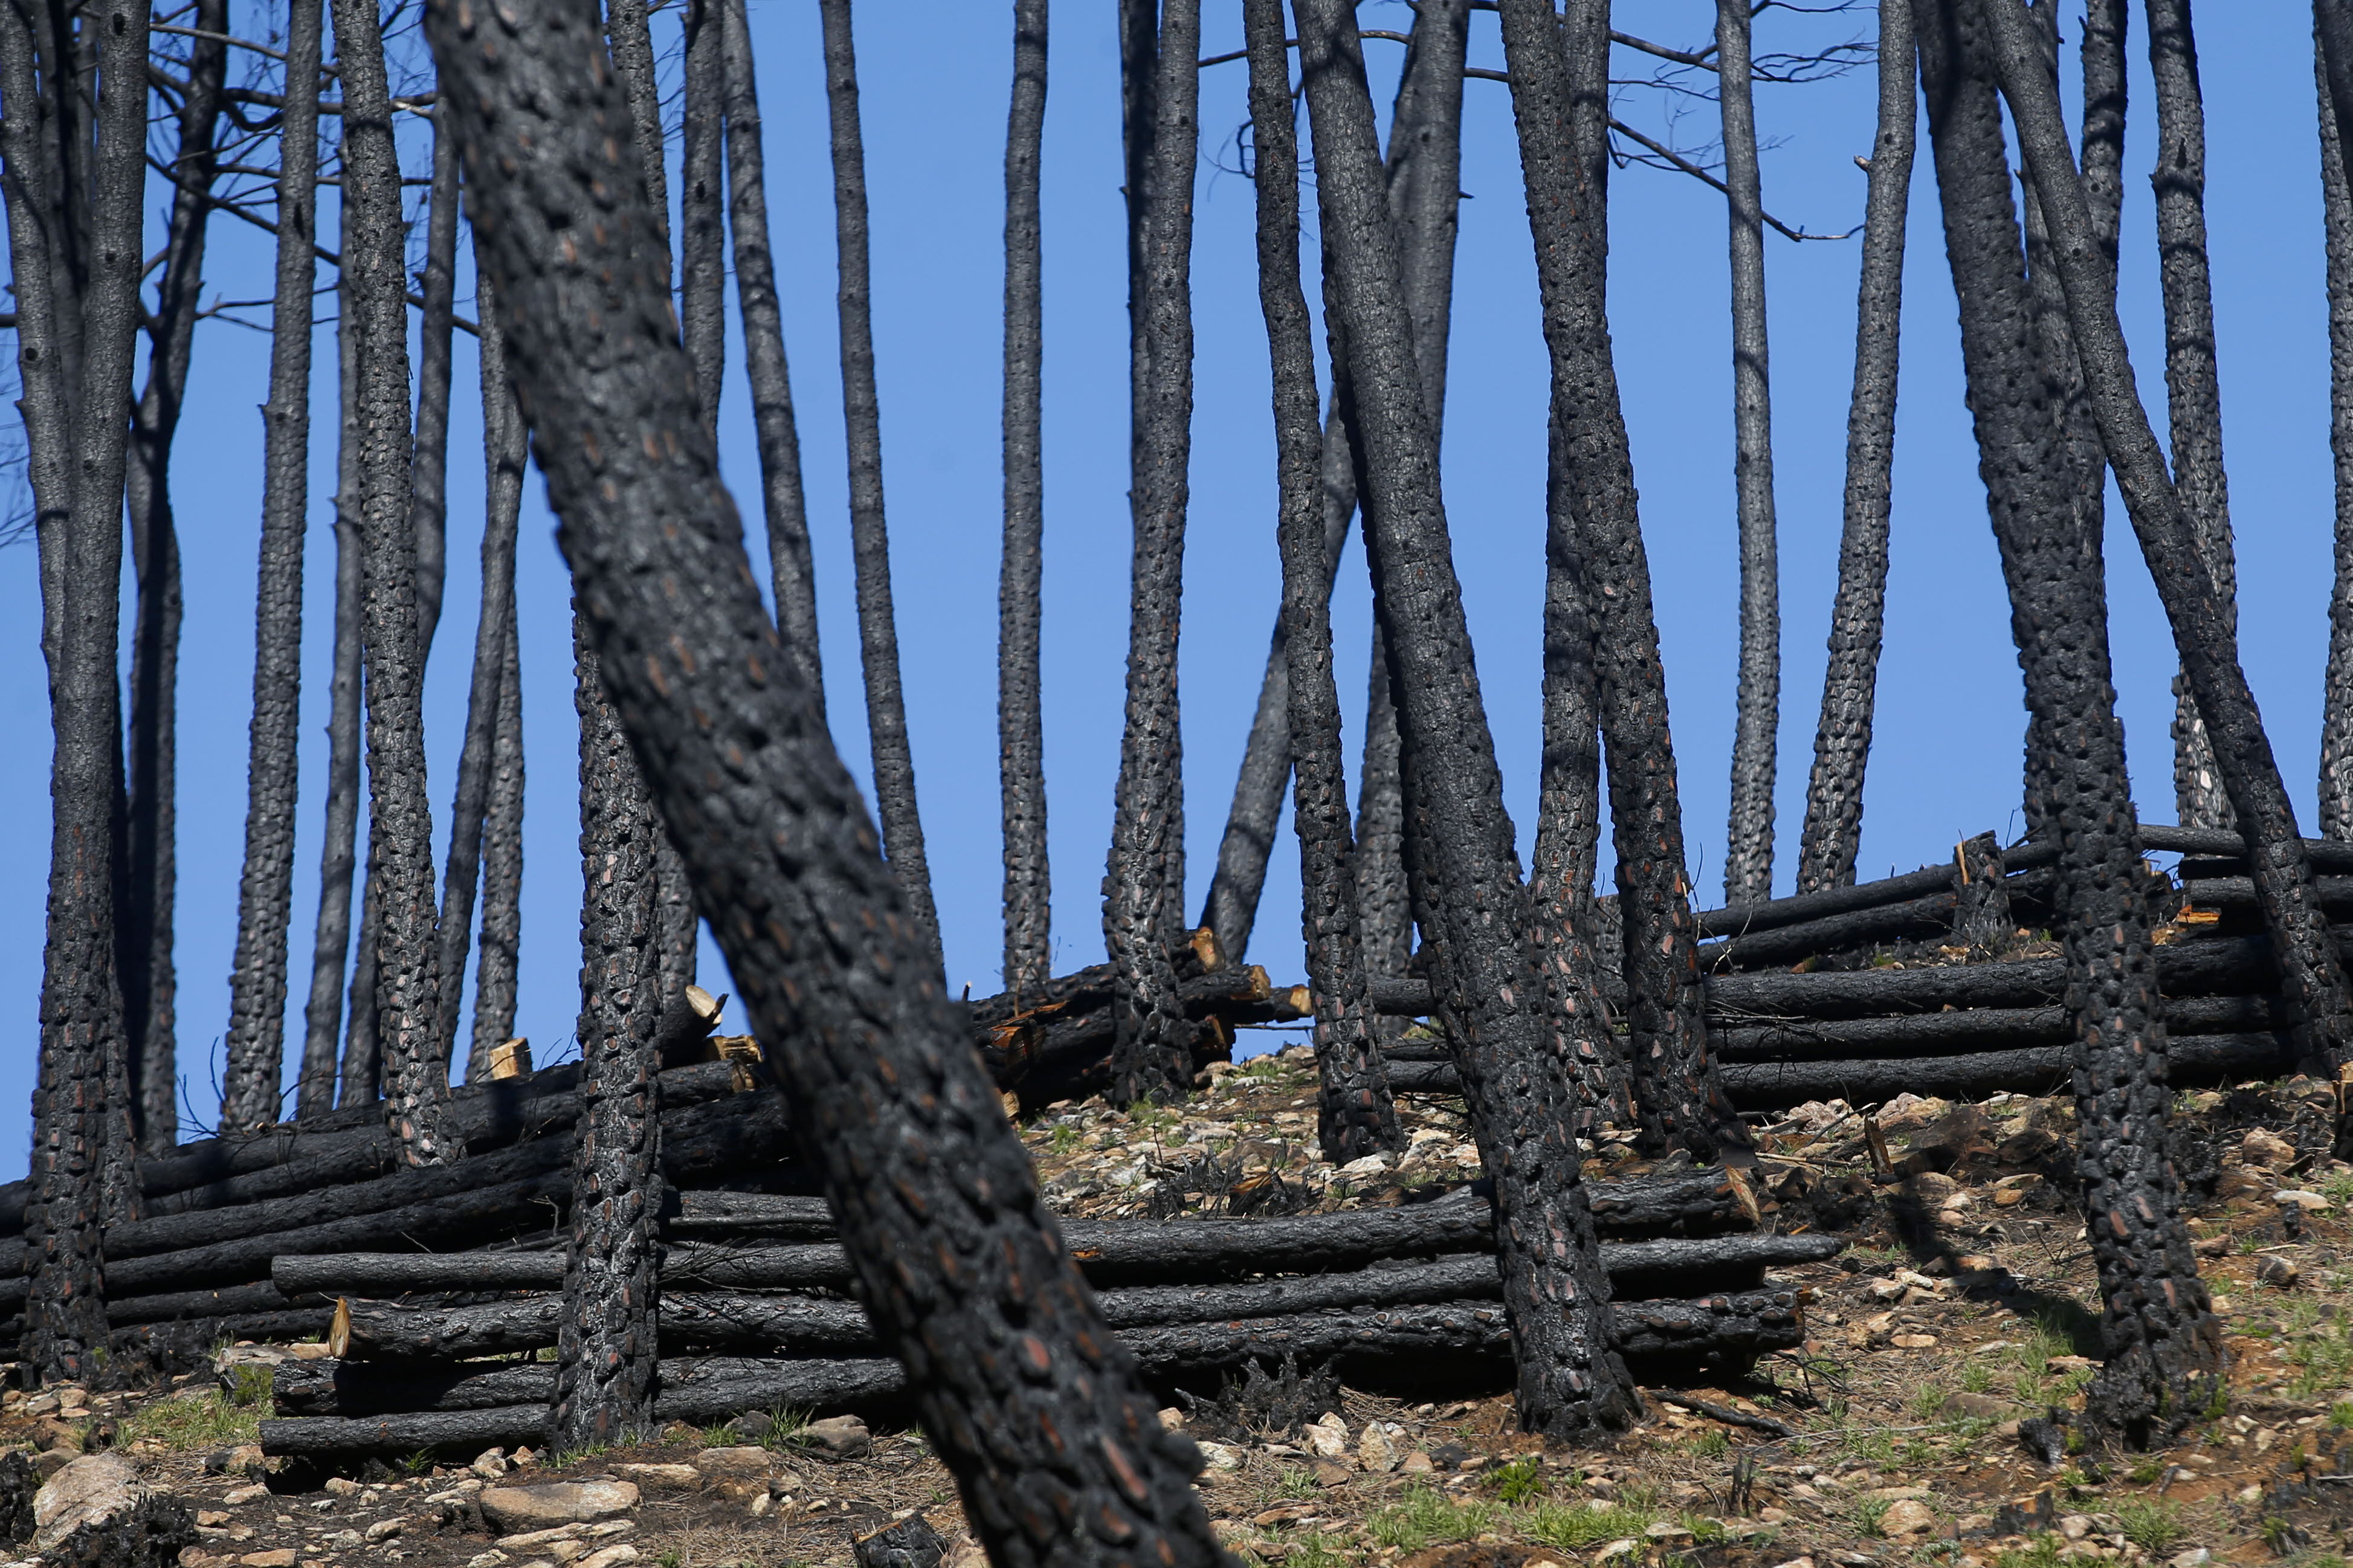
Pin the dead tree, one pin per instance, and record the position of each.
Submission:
(1678, 1099)
(1143, 886)
(1424, 160)
(429, 467)
(870, 540)
(1465, 872)
(1355, 1113)
(1833, 827)
(2312, 978)
(2163, 1342)
(2336, 693)
(400, 818)
(2192, 381)
(702, 213)
(1016, 1378)
(84, 1171)
(1020, 723)
(1748, 838)
(791, 576)
(256, 1029)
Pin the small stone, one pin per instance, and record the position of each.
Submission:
(2249, 1494)
(493, 1558)
(490, 1463)
(2277, 1271)
(1909, 1516)
(2196, 1557)
(1377, 1450)
(1328, 1438)
(247, 1460)
(1618, 1548)
(1370, 1165)
(194, 1557)
(839, 1437)
(911, 1542)
(556, 1502)
(1913, 1341)
(1329, 1473)
(2074, 1526)
(1416, 1464)
(342, 1486)
(211, 1519)
(239, 1496)
(1899, 1494)
(670, 1477)
(610, 1557)
(713, 1463)
(763, 1504)
(532, 1539)
(753, 1425)
(281, 1557)
(2311, 1203)
(2266, 1150)
(1666, 1533)
(1974, 1406)
(385, 1529)
(2008, 1197)
(1226, 1456)
(1797, 1563)
(1172, 1419)
(95, 1489)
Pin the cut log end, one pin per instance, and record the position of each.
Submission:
(339, 1329)
(1204, 943)
(510, 1059)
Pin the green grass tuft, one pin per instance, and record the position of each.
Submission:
(2153, 1526)
(200, 1419)
(1575, 1528)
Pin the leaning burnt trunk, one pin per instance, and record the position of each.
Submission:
(1749, 838)
(400, 819)
(2336, 686)
(257, 1027)
(1833, 827)
(1464, 869)
(958, 1261)
(1355, 1114)
(1678, 1096)
(2163, 1344)
(2193, 383)
(1143, 886)
(605, 1348)
(1020, 722)
(430, 468)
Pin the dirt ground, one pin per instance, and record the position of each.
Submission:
(1965, 1305)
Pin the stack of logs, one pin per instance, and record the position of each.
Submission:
(757, 1311)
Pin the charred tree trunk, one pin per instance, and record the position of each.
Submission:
(501, 451)
(702, 217)
(870, 538)
(2314, 977)
(1833, 829)
(791, 576)
(1425, 159)
(2192, 381)
(2102, 49)
(605, 1347)
(84, 1171)
(1678, 1096)
(257, 982)
(1143, 886)
(2164, 1345)
(2336, 693)
(150, 981)
(400, 818)
(429, 469)
(1749, 838)
(959, 1265)
(1355, 1114)
(498, 817)
(331, 939)
(1465, 872)
(1020, 723)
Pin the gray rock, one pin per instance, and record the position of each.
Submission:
(910, 1543)
(97, 1488)
(512, 1509)
(839, 1437)
(753, 1425)
(748, 1463)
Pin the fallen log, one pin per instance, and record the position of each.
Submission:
(1690, 1200)
(438, 1431)
(382, 1273)
(2335, 892)
(1931, 1033)
(1931, 914)
(2027, 1070)
(1190, 1250)
(2324, 854)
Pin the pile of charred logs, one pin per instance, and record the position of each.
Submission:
(757, 1313)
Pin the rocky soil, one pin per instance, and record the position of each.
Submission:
(1963, 1308)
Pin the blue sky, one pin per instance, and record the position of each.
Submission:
(934, 78)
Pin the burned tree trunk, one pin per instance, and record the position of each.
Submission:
(1748, 838)
(1020, 723)
(2164, 1345)
(1833, 828)
(2336, 687)
(2192, 381)
(791, 576)
(84, 1171)
(701, 218)
(958, 1263)
(400, 818)
(1465, 872)
(1424, 163)
(2314, 976)
(1678, 1096)
(430, 468)
(1143, 886)
(1354, 1115)
(605, 1348)
(256, 1028)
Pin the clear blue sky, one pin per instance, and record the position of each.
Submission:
(1947, 759)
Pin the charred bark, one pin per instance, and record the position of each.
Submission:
(1833, 827)
(1020, 723)
(255, 1046)
(958, 1263)
(701, 218)
(1676, 1095)
(430, 466)
(2336, 686)
(1354, 1115)
(1463, 866)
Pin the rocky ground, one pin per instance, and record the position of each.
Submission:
(1965, 1306)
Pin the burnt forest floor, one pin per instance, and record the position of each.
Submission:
(1965, 1304)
